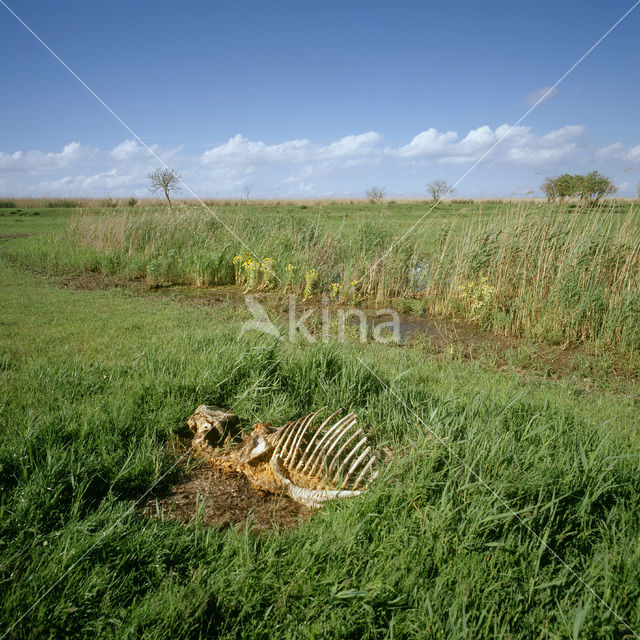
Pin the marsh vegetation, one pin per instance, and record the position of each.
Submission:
(510, 508)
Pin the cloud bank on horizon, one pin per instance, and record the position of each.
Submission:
(344, 167)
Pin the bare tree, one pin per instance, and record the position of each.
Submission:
(166, 180)
(438, 189)
(247, 188)
(375, 194)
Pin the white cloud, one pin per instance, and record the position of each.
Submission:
(240, 150)
(347, 165)
(564, 134)
(133, 150)
(99, 183)
(428, 143)
(125, 150)
(354, 146)
(618, 151)
(542, 95)
(513, 145)
(21, 161)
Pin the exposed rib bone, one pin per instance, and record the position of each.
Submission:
(287, 431)
(336, 458)
(313, 463)
(330, 446)
(345, 462)
(309, 497)
(363, 473)
(315, 435)
(354, 466)
(318, 448)
(296, 441)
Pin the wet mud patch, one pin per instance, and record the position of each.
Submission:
(224, 499)
(88, 281)
(12, 236)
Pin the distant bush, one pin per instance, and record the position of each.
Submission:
(132, 202)
(438, 190)
(7, 204)
(109, 203)
(375, 194)
(20, 212)
(461, 201)
(590, 187)
(63, 204)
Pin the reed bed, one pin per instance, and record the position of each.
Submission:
(566, 276)
(563, 274)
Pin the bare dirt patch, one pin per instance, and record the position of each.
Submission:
(88, 282)
(222, 499)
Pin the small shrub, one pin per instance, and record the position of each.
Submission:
(334, 290)
(249, 272)
(132, 202)
(375, 194)
(7, 204)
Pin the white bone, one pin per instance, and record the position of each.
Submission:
(318, 447)
(336, 458)
(315, 435)
(363, 473)
(296, 441)
(288, 432)
(354, 466)
(312, 498)
(329, 445)
(345, 462)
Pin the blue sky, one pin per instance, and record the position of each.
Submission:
(306, 99)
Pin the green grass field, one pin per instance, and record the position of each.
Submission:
(511, 508)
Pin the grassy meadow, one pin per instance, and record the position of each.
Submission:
(511, 506)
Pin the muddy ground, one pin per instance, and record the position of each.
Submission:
(224, 499)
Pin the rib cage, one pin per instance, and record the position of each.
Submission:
(312, 464)
(325, 456)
